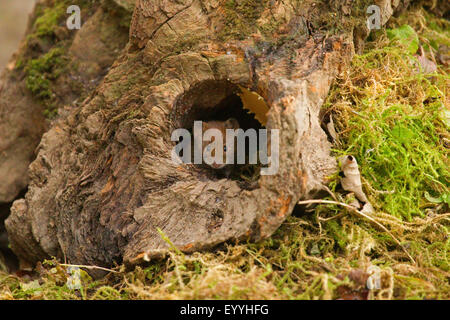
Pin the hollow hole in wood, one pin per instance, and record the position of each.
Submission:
(219, 101)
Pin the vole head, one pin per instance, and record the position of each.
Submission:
(222, 126)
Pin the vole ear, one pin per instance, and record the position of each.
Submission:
(232, 123)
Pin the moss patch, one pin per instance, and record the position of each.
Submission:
(398, 134)
(40, 74)
(50, 18)
(241, 17)
(44, 59)
(41, 71)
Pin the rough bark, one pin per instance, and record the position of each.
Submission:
(23, 118)
(22, 114)
(103, 182)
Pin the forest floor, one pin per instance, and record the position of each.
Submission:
(395, 120)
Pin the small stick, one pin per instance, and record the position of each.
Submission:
(353, 209)
(88, 267)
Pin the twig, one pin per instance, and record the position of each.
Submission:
(330, 192)
(88, 267)
(332, 218)
(353, 209)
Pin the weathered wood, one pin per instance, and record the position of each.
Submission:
(103, 182)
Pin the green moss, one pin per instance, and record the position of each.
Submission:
(329, 15)
(41, 71)
(40, 74)
(19, 63)
(402, 155)
(43, 68)
(241, 17)
(406, 37)
(51, 17)
(435, 34)
(337, 232)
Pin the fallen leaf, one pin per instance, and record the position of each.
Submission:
(255, 104)
(426, 66)
(352, 177)
(368, 208)
(351, 200)
(346, 293)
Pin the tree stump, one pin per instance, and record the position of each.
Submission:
(103, 188)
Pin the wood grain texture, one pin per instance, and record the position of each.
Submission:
(103, 182)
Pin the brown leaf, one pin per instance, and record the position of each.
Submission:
(426, 66)
(352, 178)
(345, 292)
